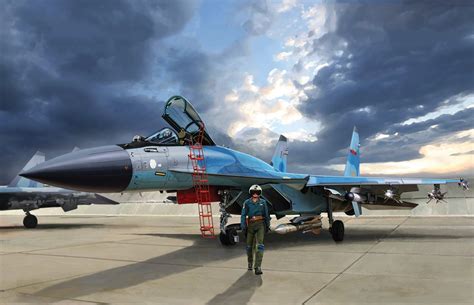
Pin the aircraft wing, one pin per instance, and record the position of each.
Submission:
(403, 184)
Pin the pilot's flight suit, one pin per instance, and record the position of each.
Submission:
(258, 223)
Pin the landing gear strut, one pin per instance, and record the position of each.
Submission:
(336, 227)
(30, 221)
(228, 235)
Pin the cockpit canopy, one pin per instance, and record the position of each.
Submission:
(185, 125)
(184, 119)
(165, 136)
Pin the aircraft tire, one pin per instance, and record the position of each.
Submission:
(30, 221)
(224, 239)
(227, 238)
(337, 230)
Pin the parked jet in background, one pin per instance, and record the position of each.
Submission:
(162, 162)
(27, 195)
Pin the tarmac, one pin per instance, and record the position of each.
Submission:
(163, 260)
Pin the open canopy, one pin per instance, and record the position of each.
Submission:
(184, 119)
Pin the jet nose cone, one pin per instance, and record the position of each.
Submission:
(103, 169)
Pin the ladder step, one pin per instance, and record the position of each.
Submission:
(201, 184)
(211, 236)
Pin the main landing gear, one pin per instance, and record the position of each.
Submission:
(228, 235)
(336, 227)
(30, 221)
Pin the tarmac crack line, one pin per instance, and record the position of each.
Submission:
(62, 299)
(68, 246)
(354, 262)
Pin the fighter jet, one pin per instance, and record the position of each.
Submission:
(24, 194)
(165, 161)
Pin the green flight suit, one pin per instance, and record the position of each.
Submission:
(255, 230)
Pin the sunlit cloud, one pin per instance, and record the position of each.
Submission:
(455, 156)
(451, 106)
(271, 107)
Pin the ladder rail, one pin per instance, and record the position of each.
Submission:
(201, 184)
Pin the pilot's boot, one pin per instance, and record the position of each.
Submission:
(258, 259)
(249, 258)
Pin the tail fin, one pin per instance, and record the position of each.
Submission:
(353, 158)
(280, 155)
(24, 182)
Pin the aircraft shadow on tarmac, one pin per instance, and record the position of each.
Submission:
(201, 253)
(205, 252)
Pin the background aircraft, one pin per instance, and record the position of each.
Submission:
(162, 162)
(24, 194)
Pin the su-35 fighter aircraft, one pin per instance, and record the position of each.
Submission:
(24, 194)
(170, 160)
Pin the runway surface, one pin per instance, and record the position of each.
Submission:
(163, 260)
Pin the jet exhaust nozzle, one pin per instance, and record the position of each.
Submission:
(106, 169)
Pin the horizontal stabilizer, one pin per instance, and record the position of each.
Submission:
(404, 205)
(99, 199)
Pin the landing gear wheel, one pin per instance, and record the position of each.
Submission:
(30, 221)
(337, 230)
(227, 238)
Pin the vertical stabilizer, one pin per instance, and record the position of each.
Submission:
(24, 182)
(353, 157)
(280, 155)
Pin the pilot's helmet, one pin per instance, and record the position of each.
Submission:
(255, 189)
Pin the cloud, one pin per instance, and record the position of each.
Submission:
(67, 68)
(386, 64)
(454, 156)
(86, 74)
(259, 17)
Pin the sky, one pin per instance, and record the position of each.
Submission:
(87, 73)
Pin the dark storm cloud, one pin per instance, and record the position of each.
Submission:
(464, 154)
(197, 83)
(385, 61)
(66, 70)
(259, 18)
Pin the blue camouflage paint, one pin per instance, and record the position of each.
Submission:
(353, 158)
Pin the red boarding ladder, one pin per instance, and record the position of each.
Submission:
(201, 184)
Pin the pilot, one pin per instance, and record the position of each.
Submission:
(256, 221)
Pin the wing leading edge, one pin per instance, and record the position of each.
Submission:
(369, 181)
